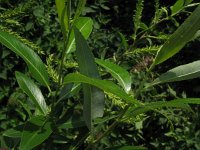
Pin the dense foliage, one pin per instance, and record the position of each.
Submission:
(41, 96)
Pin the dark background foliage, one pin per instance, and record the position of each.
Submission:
(39, 24)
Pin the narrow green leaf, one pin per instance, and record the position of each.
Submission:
(123, 41)
(177, 7)
(126, 148)
(35, 64)
(79, 122)
(178, 103)
(93, 97)
(69, 90)
(15, 132)
(118, 73)
(32, 90)
(79, 9)
(107, 86)
(85, 25)
(35, 132)
(62, 13)
(188, 2)
(183, 72)
(182, 35)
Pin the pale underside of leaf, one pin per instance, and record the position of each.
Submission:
(183, 72)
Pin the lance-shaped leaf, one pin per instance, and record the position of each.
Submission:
(183, 72)
(118, 73)
(84, 25)
(178, 6)
(62, 14)
(105, 85)
(69, 91)
(76, 121)
(35, 64)
(178, 103)
(15, 132)
(93, 97)
(35, 132)
(79, 9)
(182, 35)
(32, 90)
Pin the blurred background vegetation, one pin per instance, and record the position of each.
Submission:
(35, 22)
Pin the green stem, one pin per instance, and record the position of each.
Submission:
(110, 128)
(63, 57)
(80, 142)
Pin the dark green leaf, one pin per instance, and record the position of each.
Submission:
(123, 41)
(69, 90)
(182, 35)
(79, 122)
(107, 86)
(35, 132)
(35, 64)
(84, 24)
(118, 73)
(31, 89)
(183, 72)
(93, 97)
(15, 132)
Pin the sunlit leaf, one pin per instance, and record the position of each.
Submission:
(35, 64)
(93, 106)
(85, 26)
(182, 35)
(118, 73)
(183, 72)
(107, 86)
(32, 90)
(177, 6)
(35, 131)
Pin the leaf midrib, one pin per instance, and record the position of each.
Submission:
(22, 55)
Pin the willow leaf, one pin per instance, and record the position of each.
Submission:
(118, 73)
(84, 25)
(93, 106)
(35, 132)
(182, 35)
(31, 89)
(79, 9)
(35, 64)
(62, 14)
(178, 103)
(183, 72)
(105, 85)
